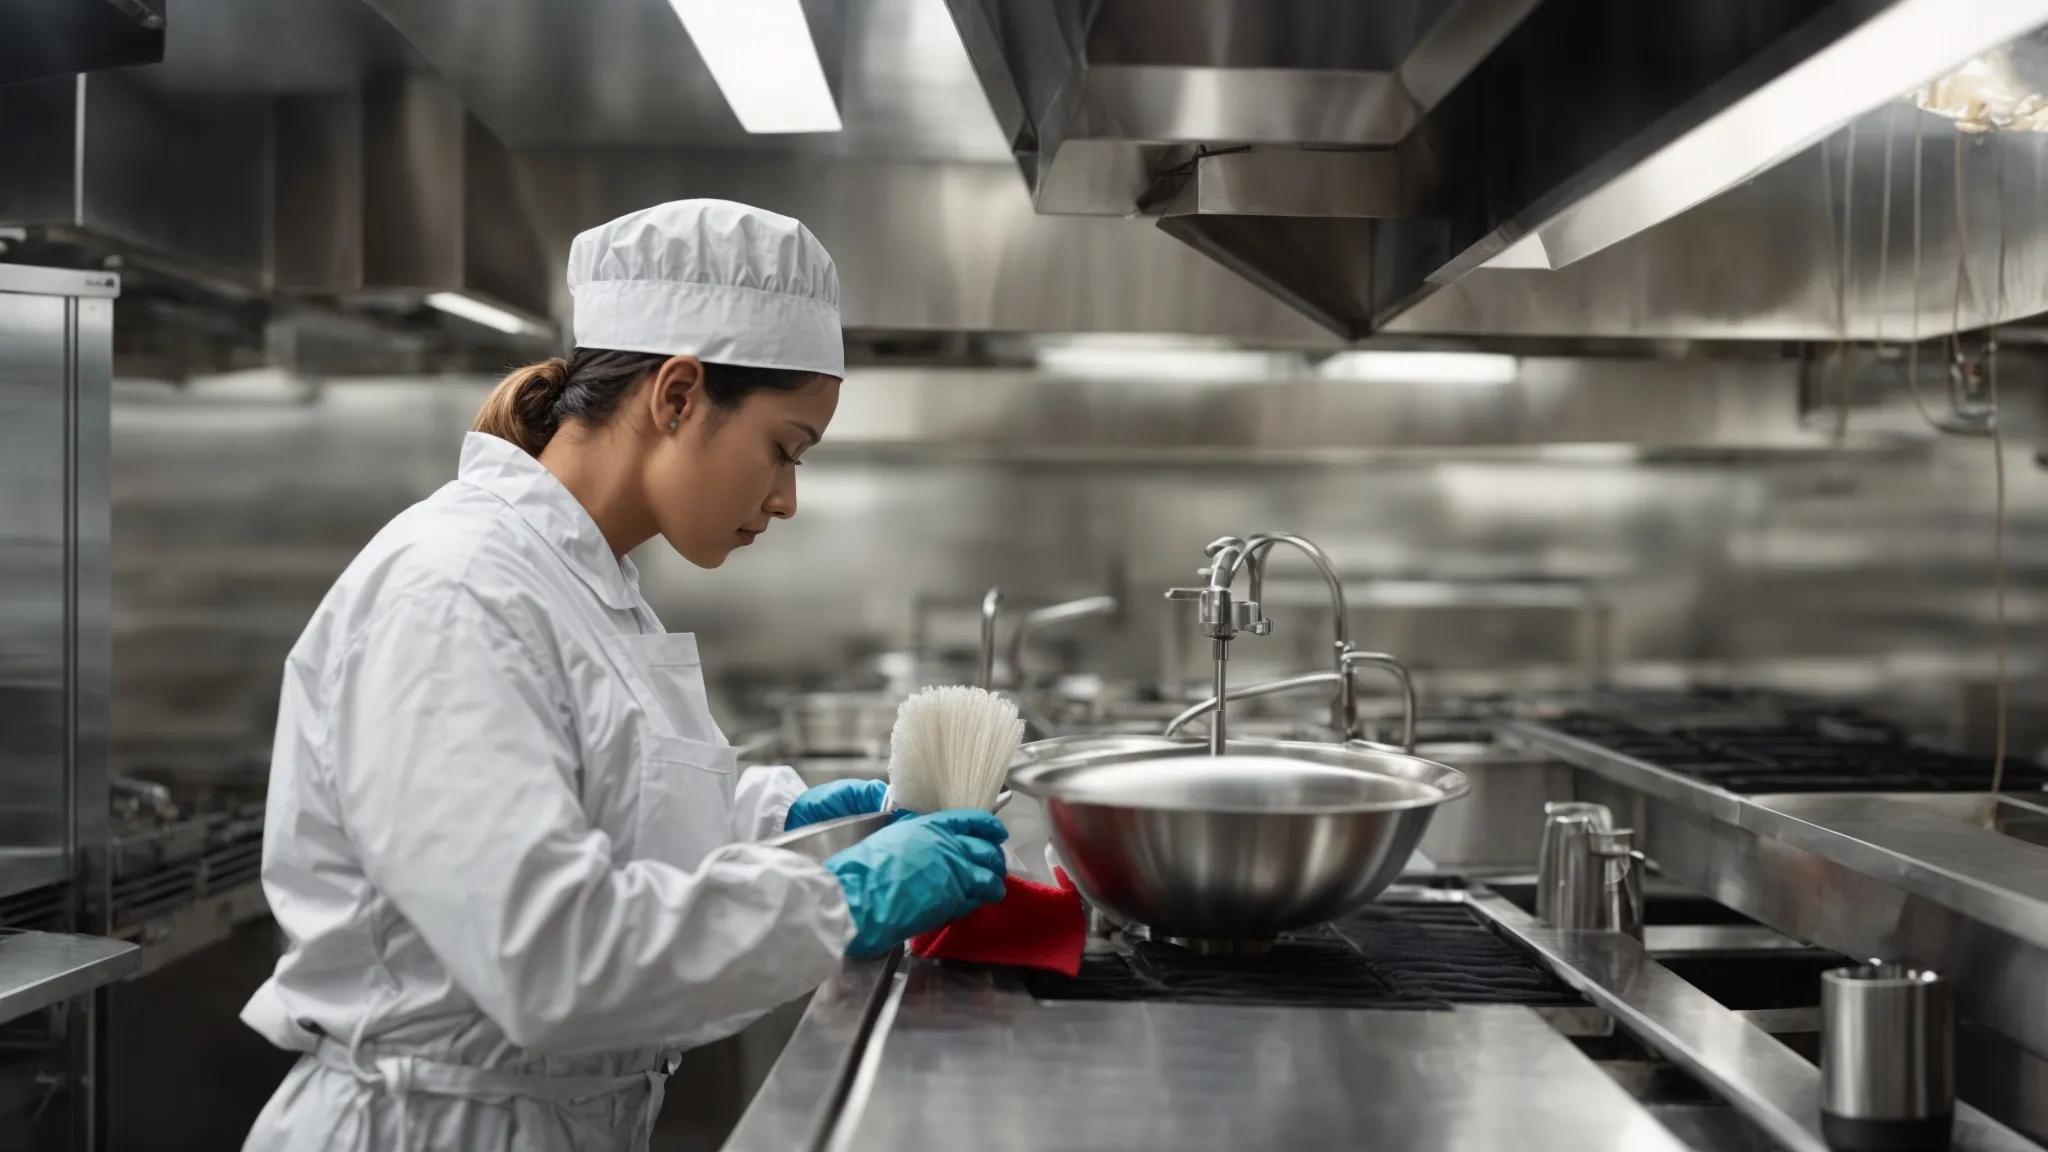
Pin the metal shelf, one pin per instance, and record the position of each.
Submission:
(38, 969)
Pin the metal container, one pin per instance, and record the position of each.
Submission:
(1887, 1059)
(1491, 830)
(1620, 907)
(839, 723)
(1568, 877)
(1227, 852)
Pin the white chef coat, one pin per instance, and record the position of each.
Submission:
(505, 840)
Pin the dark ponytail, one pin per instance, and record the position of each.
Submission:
(529, 406)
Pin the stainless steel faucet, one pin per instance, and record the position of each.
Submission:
(1222, 617)
(985, 673)
(1344, 703)
(1050, 616)
(1313, 680)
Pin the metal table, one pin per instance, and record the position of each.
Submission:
(38, 969)
(1903, 877)
(955, 1054)
(913, 1054)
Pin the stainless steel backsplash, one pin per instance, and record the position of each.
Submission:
(1656, 521)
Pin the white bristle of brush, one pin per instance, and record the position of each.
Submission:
(951, 748)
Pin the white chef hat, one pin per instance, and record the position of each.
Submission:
(724, 282)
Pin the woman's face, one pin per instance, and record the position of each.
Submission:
(716, 479)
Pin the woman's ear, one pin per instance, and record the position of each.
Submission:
(677, 393)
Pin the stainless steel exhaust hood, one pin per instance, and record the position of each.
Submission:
(348, 211)
(396, 193)
(43, 38)
(1353, 159)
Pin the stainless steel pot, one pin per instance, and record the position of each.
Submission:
(1227, 852)
(839, 723)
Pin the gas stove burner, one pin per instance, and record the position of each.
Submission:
(1809, 750)
(1389, 955)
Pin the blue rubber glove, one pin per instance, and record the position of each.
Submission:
(834, 799)
(919, 874)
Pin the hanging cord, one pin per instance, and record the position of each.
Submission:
(2002, 684)
(2002, 687)
(1955, 311)
(1841, 258)
(1913, 335)
(1998, 513)
(1842, 284)
(1884, 228)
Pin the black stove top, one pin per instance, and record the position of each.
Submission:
(1794, 750)
(1392, 955)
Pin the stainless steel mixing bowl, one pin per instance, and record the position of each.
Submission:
(1226, 852)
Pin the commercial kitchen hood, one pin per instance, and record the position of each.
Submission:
(40, 38)
(1352, 159)
(342, 216)
(397, 193)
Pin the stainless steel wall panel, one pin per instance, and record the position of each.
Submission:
(34, 401)
(38, 135)
(90, 439)
(56, 368)
(1476, 528)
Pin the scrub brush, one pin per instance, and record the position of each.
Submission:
(951, 748)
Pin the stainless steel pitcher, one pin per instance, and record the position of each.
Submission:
(1621, 882)
(1568, 876)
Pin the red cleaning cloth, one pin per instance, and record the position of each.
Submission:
(1033, 926)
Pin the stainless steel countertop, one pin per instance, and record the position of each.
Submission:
(1728, 1051)
(915, 1054)
(799, 1095)
(968, 1058)
(38, 969)
(1926, 845)
(922, 1055)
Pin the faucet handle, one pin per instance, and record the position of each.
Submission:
(1246, 617)
(1184, 593)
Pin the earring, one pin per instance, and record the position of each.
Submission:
(672, 425)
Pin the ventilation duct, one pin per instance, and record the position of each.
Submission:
(233, 214)
(40, 39)
(1354, 159)
(396, 195)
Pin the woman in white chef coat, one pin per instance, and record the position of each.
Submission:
(507, 844)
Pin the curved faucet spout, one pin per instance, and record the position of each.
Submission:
(1052, 616)
(985, 671)
(1250, 692)
(1226, 555)
(1344, 707)
(1399, 672)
